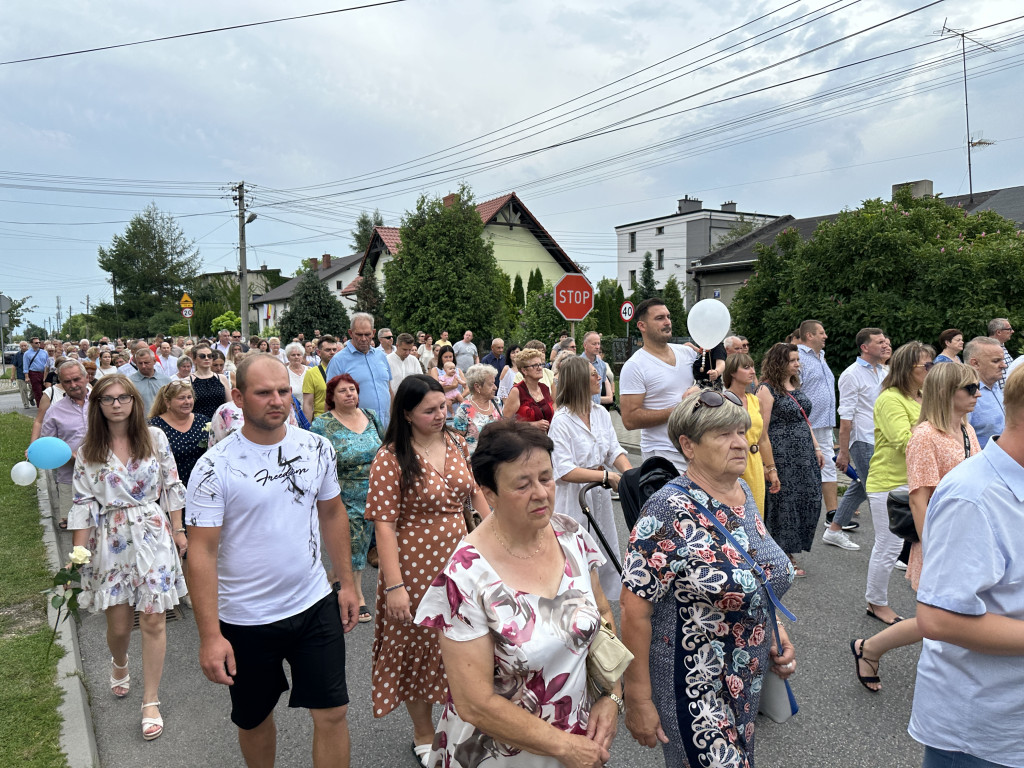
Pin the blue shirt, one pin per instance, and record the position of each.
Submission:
(498, 363)
(819, 384)
(373, 374)
(602, 370)
(988, 417)
(967, 701)
(36, 359)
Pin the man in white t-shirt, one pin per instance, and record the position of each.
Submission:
(654, 381)
(402, 360)
(257, 502)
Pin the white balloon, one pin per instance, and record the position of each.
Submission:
(23, 473)
(708, 322)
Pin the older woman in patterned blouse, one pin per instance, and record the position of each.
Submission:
(692, 686)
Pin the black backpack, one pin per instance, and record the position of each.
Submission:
(640, 483)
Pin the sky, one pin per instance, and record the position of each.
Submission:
(596, 112)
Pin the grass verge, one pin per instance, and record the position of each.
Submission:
(29, 723)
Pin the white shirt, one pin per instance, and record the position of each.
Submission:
(401, 368)
(662, 386)
(597, 447)
(859, 387)
(264, 500)
(167, 365)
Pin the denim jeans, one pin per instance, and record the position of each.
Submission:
(940, 758)
(860, 457)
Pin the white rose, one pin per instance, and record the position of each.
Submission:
(80, 556)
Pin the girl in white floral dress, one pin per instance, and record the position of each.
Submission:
(126, 487)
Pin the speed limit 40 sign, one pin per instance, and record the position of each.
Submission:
(626, 311)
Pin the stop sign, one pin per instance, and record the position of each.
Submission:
(574, 297)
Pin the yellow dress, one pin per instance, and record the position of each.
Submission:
(754, 474)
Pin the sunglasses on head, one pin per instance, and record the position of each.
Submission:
(971, 389)
(714, 399)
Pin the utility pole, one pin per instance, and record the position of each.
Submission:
(117, 317)
(243, 270)
(87, 315)
(59, 323)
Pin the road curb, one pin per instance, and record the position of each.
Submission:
(77, 736)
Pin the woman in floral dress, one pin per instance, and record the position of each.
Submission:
(480, 408)
(694, 614)
(126, 487)
(419, 484)
(355, 434)
(516, 609)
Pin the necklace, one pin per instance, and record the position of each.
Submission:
(501, 540)
(426, 449)
(488, 409)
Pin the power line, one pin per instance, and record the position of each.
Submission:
(201, 32)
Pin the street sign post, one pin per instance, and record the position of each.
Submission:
(186, 301)
(626, 313)
(574, 299)
(186, 310)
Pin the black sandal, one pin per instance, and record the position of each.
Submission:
(876, 617)
(873, 663)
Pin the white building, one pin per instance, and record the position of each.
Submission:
(676, 241)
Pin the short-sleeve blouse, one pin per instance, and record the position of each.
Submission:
(534, 410)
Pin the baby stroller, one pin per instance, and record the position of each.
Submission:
(636, 486)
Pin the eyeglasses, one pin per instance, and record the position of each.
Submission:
(714, 399)
(971, 389)
(927, 366)
(533, 365)
(1007, 329)
(122, 399)
(237, 337)
(389, 338)
(203, 357)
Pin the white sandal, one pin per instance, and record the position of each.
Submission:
(149, 722)
(422, 752)
(122, 682)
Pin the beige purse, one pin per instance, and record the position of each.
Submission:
(607, 660)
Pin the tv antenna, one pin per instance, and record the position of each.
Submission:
(947, 31)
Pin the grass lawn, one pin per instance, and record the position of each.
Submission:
(29, 723)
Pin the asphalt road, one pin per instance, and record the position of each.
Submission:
(839, 724)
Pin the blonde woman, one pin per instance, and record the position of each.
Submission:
(738, 376)
(127, 511)
(586, 451)
(942, 438)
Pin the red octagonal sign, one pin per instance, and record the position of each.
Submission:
(574, 297)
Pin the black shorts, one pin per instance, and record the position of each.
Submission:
(313, 643)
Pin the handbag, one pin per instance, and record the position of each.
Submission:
(777, 700)
(468, 512)
(607, 660)
(901, 519)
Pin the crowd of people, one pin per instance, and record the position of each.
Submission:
(458, 476)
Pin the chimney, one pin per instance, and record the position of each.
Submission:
(263, 267)
(689, 204)
(729, 206)
(448, 200)
(326, 261)
(922, 188)
(314, 264)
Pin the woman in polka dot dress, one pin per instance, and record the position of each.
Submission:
(419, 483)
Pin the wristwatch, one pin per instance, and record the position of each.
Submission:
(618, 702)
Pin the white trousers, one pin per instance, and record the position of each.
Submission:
(885, 552)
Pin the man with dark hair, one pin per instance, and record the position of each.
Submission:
(261, 497)
(859, 387)
(314, 381)
(819, 384)
(147, 379)
(402, 360)
(654, 381)
(34, 365)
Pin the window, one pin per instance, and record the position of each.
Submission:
(659, 230)
(632, 279)
(339, 284)
(632, 242)
(661, 259)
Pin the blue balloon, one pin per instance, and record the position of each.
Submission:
(49, 453)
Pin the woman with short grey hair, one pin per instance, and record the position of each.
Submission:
(296, 354)
(480, 408)
(694, 613)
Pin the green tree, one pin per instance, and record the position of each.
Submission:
(16, 312)
(32, 330)
(229, 320)
(364, 230)
(605, 307)
(620, 327)
(910, 266)
(518, 294)
(673, 299)
(740, 228)
(150, 264)
(646, 285)
(535, 283)
(540, 320)
(445, 274)
(369, 298)
(313, 307)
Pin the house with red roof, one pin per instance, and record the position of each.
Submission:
(521, 244)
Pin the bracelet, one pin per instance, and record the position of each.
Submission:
(770, 469)
(179, 530)
(392, 588)
(618, 702)
(604, 482)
